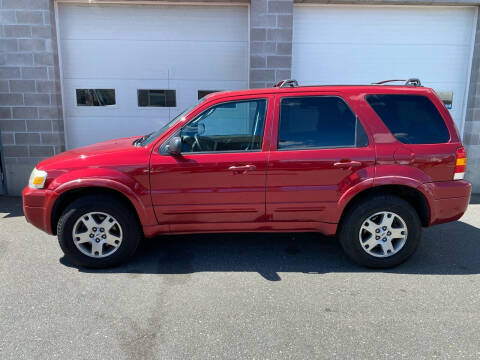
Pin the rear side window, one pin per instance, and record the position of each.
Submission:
(318, 122)
(412, 119)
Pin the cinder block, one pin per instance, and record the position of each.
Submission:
(27, 138)
(8, 45)
(18, 31)
(53, 138)
(7, 17)
(37, 99)
(280, 7)
(257, 85)
(39, 125)
(258, 34)
(7, 138)
(4, 86)
(58, 125)
(12, 125)
(279, 61)
(42, 31)
(282, 75)
(26, 4)
(15, 150)
(263, 20)
(47, 86)
(23, 112)
(29, 17)
(22, 85)
(43, 59)
(34, 73)
(284, 21)
(11, 99)
(48, 113)
(284, 48)
(5, 112)
(9, 72)
(41, 150)
(258, 6)
(262, 47)
(19, 59)
(262, 75)
(31, 44)
(283, 35)
(257, 61)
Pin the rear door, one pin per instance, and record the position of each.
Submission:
(320, 150)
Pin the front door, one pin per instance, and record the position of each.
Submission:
(219, 178)
(321, 151)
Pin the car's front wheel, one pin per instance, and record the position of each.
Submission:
(98, 232)
(380, 232)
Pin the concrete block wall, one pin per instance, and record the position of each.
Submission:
(31, 123)
(471, 134)
(270, 41)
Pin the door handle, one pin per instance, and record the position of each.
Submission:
(347, 164)
(242, 168)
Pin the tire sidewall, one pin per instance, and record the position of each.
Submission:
(351, 228)
(114, 208)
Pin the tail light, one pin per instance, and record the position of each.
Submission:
(460, 164)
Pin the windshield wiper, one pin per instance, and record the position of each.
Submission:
(139, 141)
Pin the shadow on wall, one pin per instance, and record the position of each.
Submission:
(449, 249)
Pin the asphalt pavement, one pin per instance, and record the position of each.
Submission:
(239, 296)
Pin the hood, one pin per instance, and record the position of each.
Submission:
(86, 155)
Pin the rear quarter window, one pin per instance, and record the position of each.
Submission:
(412, 119)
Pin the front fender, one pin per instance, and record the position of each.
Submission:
(111, 179)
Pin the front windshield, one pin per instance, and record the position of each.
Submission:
(152, 136)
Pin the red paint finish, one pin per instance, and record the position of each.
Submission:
(268, 190)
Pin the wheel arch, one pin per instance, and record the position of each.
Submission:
(414, 196)
(67, 197)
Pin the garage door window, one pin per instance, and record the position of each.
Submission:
(412, 119)
(202, 93)
(318, 122)
(228, 127)
(95, 97)
(157, 98)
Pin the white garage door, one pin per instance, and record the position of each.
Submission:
(365, 44)
(109, 53)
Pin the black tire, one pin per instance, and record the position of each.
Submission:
(350, 229)
(106, 204)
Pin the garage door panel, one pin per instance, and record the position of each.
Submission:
(89, 130)
(364, 44)
(184, 48)
(355, 63)
(382, 25)
(213, 60)
(159, 22)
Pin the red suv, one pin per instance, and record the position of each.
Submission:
(370, 164)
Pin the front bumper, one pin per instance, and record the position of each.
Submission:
(448, 200)
(37, 207)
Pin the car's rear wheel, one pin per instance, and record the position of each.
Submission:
(98, 232)
(380, 232)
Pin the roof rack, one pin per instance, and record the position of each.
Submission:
(408, 82)
(286, 83)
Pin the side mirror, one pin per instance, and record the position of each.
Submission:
(174, 146)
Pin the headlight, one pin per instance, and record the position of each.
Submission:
(37, 179)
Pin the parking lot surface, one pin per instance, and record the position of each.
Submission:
(239, 296)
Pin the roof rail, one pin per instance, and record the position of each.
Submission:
(286, 83)
(408, 82)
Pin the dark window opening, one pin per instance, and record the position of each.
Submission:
(233, 126)
(412, 119)
(157, 98)
(203, 93)
(318, 122)
(95, 97)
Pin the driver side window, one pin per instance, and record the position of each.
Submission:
(232, 126)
